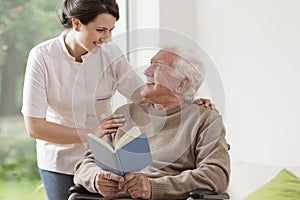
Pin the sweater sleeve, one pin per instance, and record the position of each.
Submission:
(86, 171)
(212, 166)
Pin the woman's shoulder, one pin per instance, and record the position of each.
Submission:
(49, 45)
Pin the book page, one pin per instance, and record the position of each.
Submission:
(127, 137)
(101, 141)
(104, 155)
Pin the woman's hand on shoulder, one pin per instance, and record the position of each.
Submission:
(206, 102)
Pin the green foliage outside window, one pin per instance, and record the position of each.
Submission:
(23, 24)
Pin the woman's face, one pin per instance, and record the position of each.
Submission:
(98, 31)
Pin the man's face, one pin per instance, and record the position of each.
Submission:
(162, 79)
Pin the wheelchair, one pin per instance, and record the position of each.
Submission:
(77, 192)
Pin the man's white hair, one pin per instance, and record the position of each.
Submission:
(189, 63)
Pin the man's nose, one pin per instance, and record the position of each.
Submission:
(149, 71)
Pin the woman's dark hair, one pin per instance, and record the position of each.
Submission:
(87, 10)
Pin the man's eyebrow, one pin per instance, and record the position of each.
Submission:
(160, 62)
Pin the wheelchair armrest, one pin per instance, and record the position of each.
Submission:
(79, 192)
(77, 189)
(200, 194)
(207, 194)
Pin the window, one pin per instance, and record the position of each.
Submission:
(17, 36)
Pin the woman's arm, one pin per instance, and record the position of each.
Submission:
(39, 128)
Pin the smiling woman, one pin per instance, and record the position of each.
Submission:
(79, 63)
(17, 151)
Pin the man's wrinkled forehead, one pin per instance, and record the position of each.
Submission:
(164, 57)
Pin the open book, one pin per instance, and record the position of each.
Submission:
(131, 152)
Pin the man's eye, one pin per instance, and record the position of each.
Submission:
(158, 67)
(100, 30)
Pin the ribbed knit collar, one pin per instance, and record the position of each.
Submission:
(161, 112)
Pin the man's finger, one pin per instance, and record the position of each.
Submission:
(111, 176)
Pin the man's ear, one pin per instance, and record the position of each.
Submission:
(183, 85)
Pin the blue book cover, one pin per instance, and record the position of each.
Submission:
(131, 152)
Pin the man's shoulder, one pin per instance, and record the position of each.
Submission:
(201, 111)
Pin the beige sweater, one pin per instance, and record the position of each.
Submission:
(188, 147)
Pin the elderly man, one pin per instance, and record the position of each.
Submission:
(187, 141)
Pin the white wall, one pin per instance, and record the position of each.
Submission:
(179, 16)
(255, 45)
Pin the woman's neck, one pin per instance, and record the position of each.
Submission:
(74, 49)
